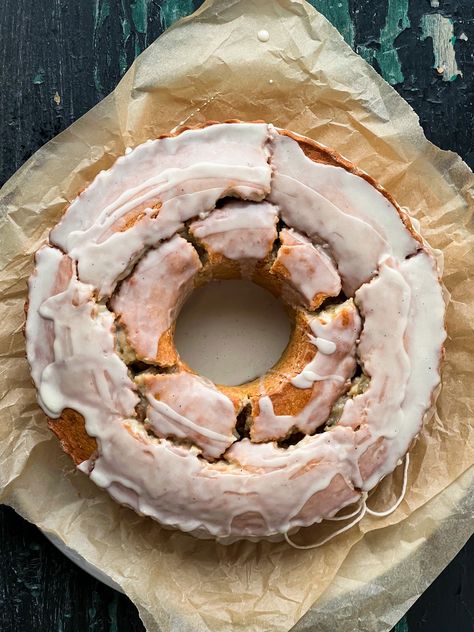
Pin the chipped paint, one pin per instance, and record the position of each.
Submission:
(386, 54)
(139, 10)
(337, 12)
(126, 32)
(435, 4)
(57, 98)
(402, 626)
(101, 13)
(38, 79)
(173, 10)
(440, 29)
(112, 609)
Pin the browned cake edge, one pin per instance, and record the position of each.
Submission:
(70, 426)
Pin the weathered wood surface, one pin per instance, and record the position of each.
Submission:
(58, 58)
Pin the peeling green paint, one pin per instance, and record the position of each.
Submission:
(397, 21)
(101, 13)
(367, 53)
(173, 10)
(126, 30)
(402, 626)
(387, 57)
(112, 612)
(139, 10)
(38, 79)
(441, 31)
(139, 13)
(337, 12)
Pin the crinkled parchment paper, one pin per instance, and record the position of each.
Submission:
(212, 66)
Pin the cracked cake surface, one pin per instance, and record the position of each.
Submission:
(332, 417)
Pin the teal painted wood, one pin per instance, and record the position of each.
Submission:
(338, 13)
(386, 54)
(414, 46)
(402, 626)
(173, 10)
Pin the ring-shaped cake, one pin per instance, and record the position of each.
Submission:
(293, 447)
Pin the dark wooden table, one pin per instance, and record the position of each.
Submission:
(58, 59)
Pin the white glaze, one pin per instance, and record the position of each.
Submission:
(255, 490)
(186, 406)
(171, 484)
(341, 208)
(187, 174)
(326, 374)
(52, 274)
(310, 269)
(400, 349)
(308, 376)
(148, 300)
(84, 372)
(328, 337)
(238, 230)
(325, 346)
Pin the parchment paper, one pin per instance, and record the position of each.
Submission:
(212, 66)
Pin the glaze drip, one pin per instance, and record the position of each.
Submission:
(172, 445)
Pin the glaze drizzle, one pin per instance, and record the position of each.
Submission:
(167, 443)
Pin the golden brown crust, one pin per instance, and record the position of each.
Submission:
(166, 352)
(218, 268)
(70, 429)
(280, 271)
(287, 399)
(133, 217)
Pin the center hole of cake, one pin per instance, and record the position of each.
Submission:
(232, 331)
